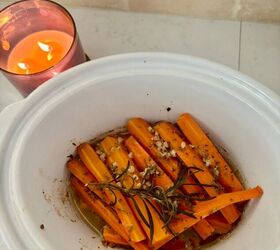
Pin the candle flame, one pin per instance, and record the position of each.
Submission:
(44, 47)
(23, 66)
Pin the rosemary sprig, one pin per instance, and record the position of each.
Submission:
(151, 222)
(139, 212)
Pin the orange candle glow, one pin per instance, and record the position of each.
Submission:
(39, 51)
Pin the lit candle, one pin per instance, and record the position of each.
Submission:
(39, 40)
(39, 51)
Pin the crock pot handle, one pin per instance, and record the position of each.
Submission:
(7, 115)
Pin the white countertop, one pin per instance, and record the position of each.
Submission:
(252, 48)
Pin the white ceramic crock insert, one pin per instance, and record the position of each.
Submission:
(37, 135)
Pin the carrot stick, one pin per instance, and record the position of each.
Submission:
(143, 160)
(79, 170)
(209, 152)
(191, 159)
(219, 223)
(143, 132)
(93, 163)
(102, 174)
(106, 213)
(111, 236)
(205, 208)
(116, 153)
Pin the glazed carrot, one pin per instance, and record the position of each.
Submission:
(106, 213)
(111, 236)
(143, 160)
(209, 152)
(205, 208)
(191, 159)
(219, 223)
(116, 153)
(79, 170)
(103, 175)
(143, 132)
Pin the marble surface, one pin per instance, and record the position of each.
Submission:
(249, 10)
(260, 53)
(252, 48)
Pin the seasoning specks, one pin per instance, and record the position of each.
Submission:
(183, 145)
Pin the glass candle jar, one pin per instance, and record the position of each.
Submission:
(38, 40)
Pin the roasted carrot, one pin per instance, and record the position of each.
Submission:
(79, 170)
(209, 152)
(105, 212)
(219, 223)
(103, 175)
(143, 160)
(116, 153)
(191, 159)
(111, 236)
(205, 208)
(119, 160)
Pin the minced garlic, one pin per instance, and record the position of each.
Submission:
(183, 145)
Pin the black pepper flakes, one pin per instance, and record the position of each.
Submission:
(70, 156)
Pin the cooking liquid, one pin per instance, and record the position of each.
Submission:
(91, 218)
